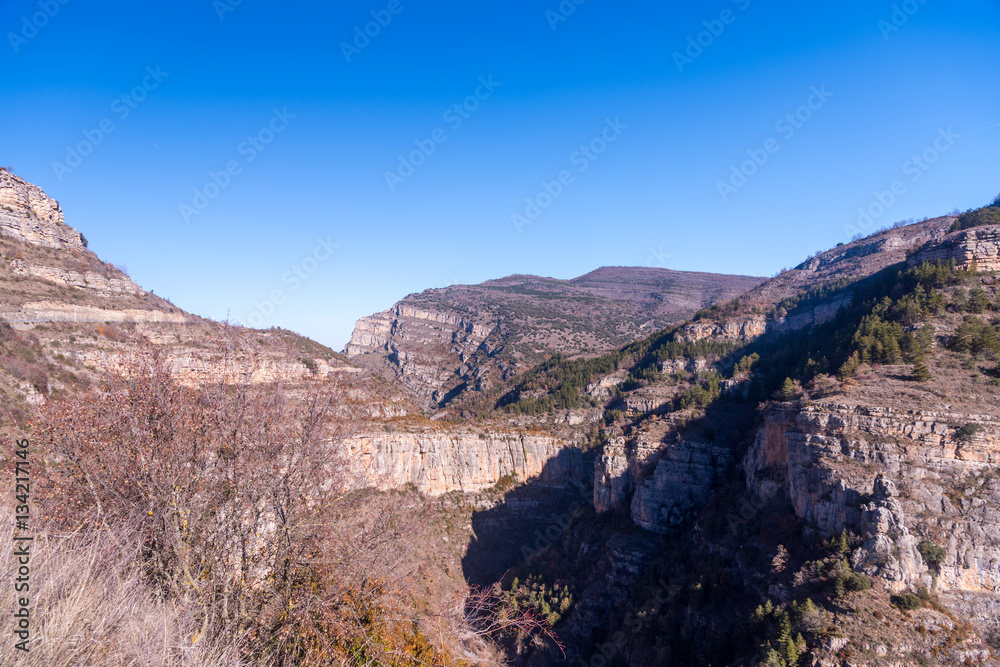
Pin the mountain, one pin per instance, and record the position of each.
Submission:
(661, 468)
(441, 343)
(67, 316)
(817, 456)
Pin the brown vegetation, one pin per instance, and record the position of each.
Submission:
(245, 508)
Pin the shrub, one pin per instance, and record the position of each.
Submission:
(933, 554)
(248, 509)
(908, 601)
(968, 432)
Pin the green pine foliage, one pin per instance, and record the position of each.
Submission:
(976, 337)
(920, 371)
(551, 602)
(701, 395)
(877, 328)
(781, 648)
(788, 390)
(988, 215)
(933, 554)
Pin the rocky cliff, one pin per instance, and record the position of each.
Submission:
(898, 478)
(437, 459)
(661, 485)
(759, 311)
(29, 215)
(441, 343)
(979, 246)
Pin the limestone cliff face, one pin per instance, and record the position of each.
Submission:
(442, 343)
(426, 349)
(747, 330)
(441, 460)
(848, 262)
(980, 245)
(28, 214)
(894, 477)
(101, 284)
(680, 485)
(47, 311)
(734, 330)
(659, 484)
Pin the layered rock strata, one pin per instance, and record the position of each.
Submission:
(28, 214)
(441, 460)
(897, 479)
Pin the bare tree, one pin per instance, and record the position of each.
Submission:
(247, 506)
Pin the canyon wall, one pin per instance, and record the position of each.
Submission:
(441, 460)
(896, 478)
(426, 349)
(660, 485)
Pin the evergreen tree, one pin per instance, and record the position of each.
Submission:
(960, 301)
(843, 542)
(978, 301)
(920, 371)
(788, 390)
(926, 337)
(849, 367)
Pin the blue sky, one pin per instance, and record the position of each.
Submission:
(591, 142)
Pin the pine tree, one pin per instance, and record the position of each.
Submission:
(849, 367)
(962, 340)
(926, 337)
(960, 301)
(920, 371)
(891, 354)
(844, 542)
(978, 301)
(788, 390)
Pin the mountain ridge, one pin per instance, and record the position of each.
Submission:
(443, 342)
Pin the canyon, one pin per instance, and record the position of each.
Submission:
(682, 451)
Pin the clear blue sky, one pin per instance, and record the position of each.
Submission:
(651, 197)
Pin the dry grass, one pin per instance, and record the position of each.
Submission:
(90, 605)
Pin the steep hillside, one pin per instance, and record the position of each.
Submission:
(443, 342)
(816, 288)
(66, 318)
(816, 494)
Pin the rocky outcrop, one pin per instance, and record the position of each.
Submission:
(613, 481)
(747, 330)
(847, 263)
(733, 330)
(889, 550)
(441, 460)
(681, 484)
(979, 246)
(894, 477)
(425, 348)
(659, 484)
(28, 214)
(45, 311)
(116, 284)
